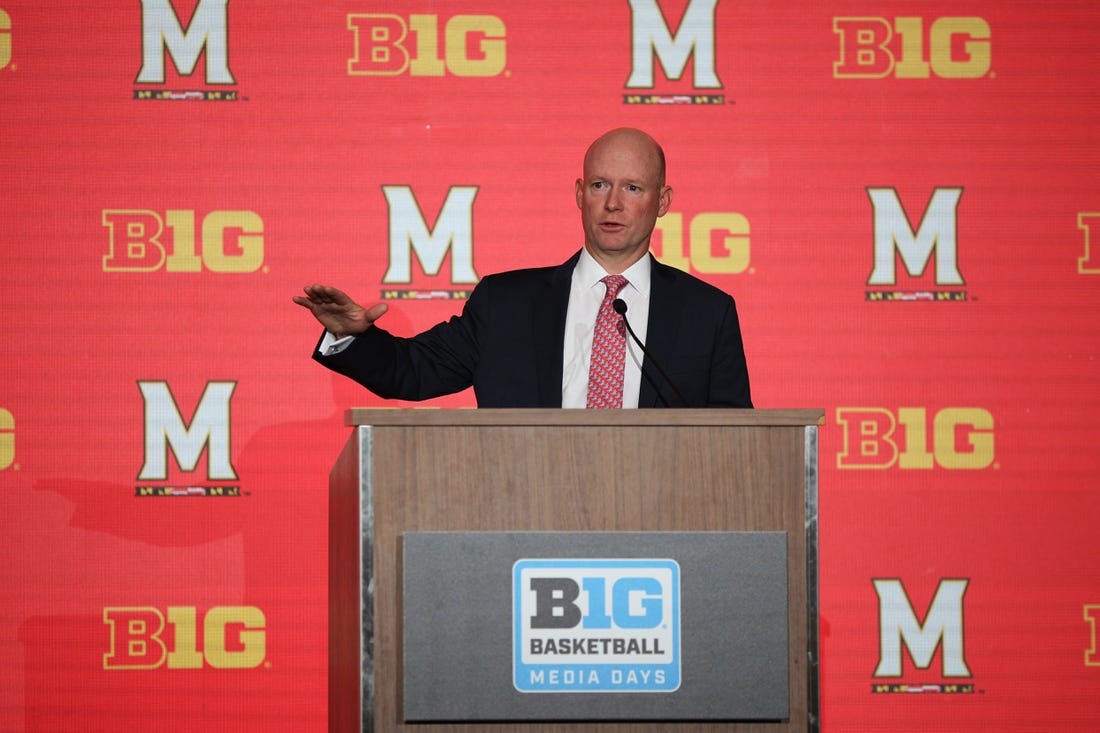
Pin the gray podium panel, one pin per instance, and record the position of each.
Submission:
(595, 626)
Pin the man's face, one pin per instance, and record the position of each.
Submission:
(620, 198)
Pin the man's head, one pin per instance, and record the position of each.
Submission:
(621, 195)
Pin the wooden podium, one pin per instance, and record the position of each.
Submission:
(412, 470)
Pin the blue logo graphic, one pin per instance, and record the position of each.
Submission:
(596, 625)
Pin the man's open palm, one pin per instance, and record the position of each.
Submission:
(339, 314)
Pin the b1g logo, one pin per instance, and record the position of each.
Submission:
(1089, 262)
(717, 242)
(5, 40)
(596, 625)
(229, 241)
(7, 439)
(875, 437)
(383, 47)
(652, 41)
(206, 34)
(143, 637)
(957, 48)
(1091, 612)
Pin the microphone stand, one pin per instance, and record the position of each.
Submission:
(620, 307)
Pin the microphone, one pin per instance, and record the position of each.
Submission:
(620, 307)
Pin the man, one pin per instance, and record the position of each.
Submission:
(526, 338)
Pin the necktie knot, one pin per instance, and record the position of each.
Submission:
(614, 283)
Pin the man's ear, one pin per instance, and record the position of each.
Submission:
(666, 201)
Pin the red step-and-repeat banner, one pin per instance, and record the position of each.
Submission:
(903, 198)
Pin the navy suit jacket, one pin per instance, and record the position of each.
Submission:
(508, 344)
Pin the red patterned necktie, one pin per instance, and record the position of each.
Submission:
(605, 371)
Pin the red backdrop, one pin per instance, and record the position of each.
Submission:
(901, 196)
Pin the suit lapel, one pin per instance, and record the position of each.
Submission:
(548, 330)
(661, 331)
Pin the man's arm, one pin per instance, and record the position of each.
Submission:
(436, 362)
(729, 385)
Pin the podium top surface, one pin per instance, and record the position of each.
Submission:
(427, 417)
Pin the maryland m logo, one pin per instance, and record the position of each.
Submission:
(162, 32)
(652, 38)
(206, 432)
(942, 627)
(410, 234)
(937, 233)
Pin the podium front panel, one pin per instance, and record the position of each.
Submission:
(526, 626)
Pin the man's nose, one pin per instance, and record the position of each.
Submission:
(612, 202)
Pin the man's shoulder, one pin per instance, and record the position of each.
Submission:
(524, 274)
(686, 284)
(530, 276)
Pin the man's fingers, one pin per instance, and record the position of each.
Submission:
(323, 295)
(376, 311)
(318, 294)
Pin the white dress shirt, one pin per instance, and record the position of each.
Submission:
(585, 295)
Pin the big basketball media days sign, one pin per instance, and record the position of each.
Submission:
(511, 626)
(596, 625)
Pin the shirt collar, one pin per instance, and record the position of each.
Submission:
(591, 272)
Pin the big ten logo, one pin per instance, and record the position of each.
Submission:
(872, 48)
(717, 242)
(411, 236)
(900, 628)
(879, 438)
(653, 40)
(472, 45)
(140, 240)
(1092, 618)
(163, 33)
(7, 439)
(937, 234)
(143, 637)
(207, 432)
(5, 40)
(607, 604)
(596, 624)
(1089, 262)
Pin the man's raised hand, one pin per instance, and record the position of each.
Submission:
(339, 314)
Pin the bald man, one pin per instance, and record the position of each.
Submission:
(525, 338)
